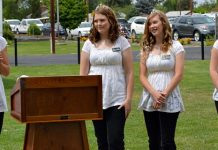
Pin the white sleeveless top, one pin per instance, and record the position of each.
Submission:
(3, 103)
(160, 72)
(215, 93)
(108, 63)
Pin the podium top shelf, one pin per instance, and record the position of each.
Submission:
(57, 98)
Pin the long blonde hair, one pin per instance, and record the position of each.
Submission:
(148, 40)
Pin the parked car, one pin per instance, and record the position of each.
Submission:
(46, 30)
(25, 23)
(193, 26)
(130, 21)
(124, 27)
(13, 23)
(138, 26)
(82, 30)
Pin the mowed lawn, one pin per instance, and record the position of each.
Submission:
(37, 48)
(197, 127)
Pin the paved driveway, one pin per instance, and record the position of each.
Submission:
(192, 53)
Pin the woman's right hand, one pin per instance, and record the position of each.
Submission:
(159, 98)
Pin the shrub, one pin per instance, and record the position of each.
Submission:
(7, 33)
(83, 38)
(137, 38)
(185, 41)
(209, 40)
(34, 30)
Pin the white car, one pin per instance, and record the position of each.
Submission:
(25, 23)
(82, 30)
(138, 25)
(13, 23)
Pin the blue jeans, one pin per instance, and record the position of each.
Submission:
(161, 128)
(110, 131)
(1, 120)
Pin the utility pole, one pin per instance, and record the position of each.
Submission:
(1, 18)
(87, 3)
(52, 27)
(58, 22)
(191, 6)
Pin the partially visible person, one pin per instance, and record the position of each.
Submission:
(161, 70)
(4, 70)
(108, 54)
(214, 71)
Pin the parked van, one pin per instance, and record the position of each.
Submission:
(13, 23)
(25, 23)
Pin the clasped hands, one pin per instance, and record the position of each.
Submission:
(159, 99)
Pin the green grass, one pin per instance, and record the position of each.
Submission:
(43, 48)
(196, 129)
(38, 48)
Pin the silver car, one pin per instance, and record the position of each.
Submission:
(194, 26)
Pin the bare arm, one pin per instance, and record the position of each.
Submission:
(179, 68)
(84, 64)
(4, 63)
(214, 67)
(128, 68)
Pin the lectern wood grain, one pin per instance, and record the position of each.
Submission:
(56, 136)
(46, 99)
(55, 110)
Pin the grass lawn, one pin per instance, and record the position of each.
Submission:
(43, 48)
(197, 127)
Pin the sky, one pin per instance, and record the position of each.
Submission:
(202, 1)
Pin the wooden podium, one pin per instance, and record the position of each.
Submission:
(55, 110)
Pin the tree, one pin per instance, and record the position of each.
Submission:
(29, 7)
(72, 13)
(146, 6)
(10, 9)
(172, 5)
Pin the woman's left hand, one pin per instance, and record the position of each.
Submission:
(127, 105)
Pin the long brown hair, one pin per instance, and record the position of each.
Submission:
(148, 40)
(114, 28)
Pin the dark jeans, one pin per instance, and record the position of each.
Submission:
(110, 131)
(161, 128)
(1, 120)
(216, 104)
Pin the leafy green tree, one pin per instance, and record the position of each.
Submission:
(172, 5)
(10, 9)
(118, 2)
(35, 8)
(27, 7)
(205, 7)
(146, 6)
(72, 12)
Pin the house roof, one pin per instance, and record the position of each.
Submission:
(177, 13)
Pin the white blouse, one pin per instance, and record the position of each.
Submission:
(215, 93)
(3, 103)
(161, 69)
(108, 63)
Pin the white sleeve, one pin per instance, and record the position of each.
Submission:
(124, 43)
(87, 46)
(215, 45)
(3, 43)
(177, 47)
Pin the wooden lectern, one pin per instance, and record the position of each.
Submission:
(55, 110)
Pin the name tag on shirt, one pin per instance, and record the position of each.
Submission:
(116, 49)
(165, 57)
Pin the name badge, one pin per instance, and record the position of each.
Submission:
(116, 49)
(165, 57)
